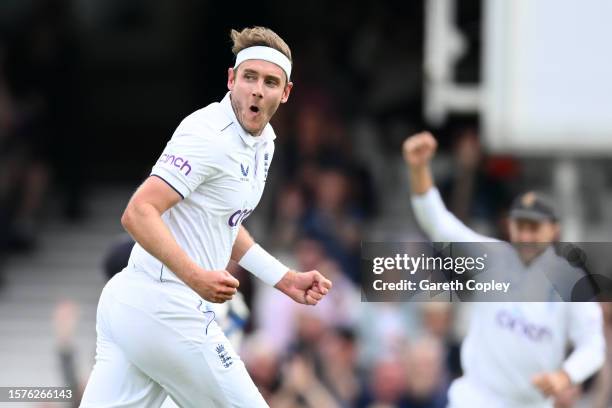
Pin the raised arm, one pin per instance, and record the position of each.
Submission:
(437, 222)
(142, 218)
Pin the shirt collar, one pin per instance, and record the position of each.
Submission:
(249, 139)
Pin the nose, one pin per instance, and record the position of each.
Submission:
(257, 90)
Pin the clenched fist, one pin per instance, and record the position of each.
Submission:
(304, 287)
(553, 383)
(418, 149)
(216, 286)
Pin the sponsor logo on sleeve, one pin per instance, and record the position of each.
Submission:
(176, 161)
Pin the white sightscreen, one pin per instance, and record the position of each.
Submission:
(548, 76)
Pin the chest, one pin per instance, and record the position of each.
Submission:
(236, 189)
(528, 321)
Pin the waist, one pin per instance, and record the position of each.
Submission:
(167, 281)
(141, 260)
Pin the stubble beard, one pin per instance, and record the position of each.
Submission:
(238, 113)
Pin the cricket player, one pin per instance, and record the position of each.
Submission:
(514, 354)
(156, 330)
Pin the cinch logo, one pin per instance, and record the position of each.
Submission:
(237, 217)
(176, 161)
(518, 325)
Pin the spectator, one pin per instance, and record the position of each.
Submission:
(340, 372)
(300, 386)
(290, 209)
(387, 386)
(427, 374)
(335, 222)
(437, 321)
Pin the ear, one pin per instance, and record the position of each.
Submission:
(231, 78)
(287, 92)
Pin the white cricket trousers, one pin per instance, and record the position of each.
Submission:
(156, 339)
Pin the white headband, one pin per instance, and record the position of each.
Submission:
(267, 54)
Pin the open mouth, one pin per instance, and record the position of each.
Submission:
(254, 109)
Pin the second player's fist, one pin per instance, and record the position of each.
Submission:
(553, 383)
(418, 149)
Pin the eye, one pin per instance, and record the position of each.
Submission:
(271, 82)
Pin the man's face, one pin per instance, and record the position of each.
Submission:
(257, 89)
(532, 237)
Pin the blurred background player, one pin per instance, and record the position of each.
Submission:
(156, 333)
(505, 364)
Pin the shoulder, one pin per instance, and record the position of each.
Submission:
(205, 124)
(211, 117)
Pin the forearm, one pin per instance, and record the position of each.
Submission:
(144, 223)
(257, 260)
(584, 362)
(586, 334)
(421, 179)
(307, 288)
(244, 241)
(438, 223)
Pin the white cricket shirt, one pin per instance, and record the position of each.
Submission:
(220, 171)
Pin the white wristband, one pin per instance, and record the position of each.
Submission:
(263, 265)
